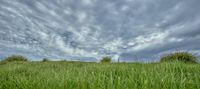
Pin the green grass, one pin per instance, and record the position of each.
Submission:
(65, 75)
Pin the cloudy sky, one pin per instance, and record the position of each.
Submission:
(90, 29)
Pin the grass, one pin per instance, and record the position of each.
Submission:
(77, 75)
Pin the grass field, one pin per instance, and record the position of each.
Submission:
(66, 75)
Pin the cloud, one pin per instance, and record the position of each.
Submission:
(90, 29)
(88, 2)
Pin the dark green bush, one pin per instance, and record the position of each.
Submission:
(179, 56)
(45, 60)
(15, 58)
(106, 60)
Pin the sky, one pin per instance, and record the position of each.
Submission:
(87, 30)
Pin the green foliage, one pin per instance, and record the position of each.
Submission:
(15, 58)
(106, 60)
(45, 60)
(180, 56)
(62, 75)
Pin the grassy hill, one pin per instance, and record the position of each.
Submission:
(77, 75)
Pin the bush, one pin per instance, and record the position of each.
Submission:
(45, 60)
(179, 56)
(15, 58)
(106, 60)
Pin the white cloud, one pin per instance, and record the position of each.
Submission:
(114, 45)
(98, 28)
(82, 17)
(43, 35)
(88, 2)
(62, 46)
(143, 42)
(125, 8)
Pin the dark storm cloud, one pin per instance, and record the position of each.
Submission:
(90, 29)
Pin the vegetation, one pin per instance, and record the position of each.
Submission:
(106, 60)
(15, 58)
(180, 56)
(64, 75)
(85, 75)
(45, 60)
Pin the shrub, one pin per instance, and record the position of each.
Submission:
(106, 60)
(45, 60)
(15, 58)
(179, 56)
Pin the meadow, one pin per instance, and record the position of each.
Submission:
(79, 75)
